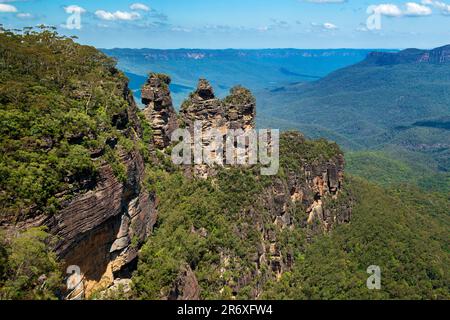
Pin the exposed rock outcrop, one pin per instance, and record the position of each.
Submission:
(236, 111)
(186, 286)
(101, 230)
(202, 105)
(240, 109)
(159, 110)
(97, 228)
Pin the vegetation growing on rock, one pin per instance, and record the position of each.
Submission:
(63, 106)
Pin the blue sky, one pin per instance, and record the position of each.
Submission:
(240, 23)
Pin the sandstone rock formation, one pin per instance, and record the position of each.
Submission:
(240, 109)
(202, 105)
(236, 111)
(159, 110)
(101, 230)
(186, 286)
(97, 228)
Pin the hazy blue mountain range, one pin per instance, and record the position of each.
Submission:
(256, 69)
(394, 103)
(363, 101)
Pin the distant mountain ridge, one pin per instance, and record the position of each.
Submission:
(199, 54)
(439, 55)
(398, 103)
(256, 69)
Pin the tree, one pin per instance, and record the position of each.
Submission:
(28, 268)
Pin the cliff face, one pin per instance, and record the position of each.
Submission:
(236, 111)
(101, 230)
(185, 287)
(159, 110)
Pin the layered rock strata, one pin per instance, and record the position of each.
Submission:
(159, 110)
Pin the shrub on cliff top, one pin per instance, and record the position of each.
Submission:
(161, 76)
(239, 95)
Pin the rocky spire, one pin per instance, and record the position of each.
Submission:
(202, 105)
(159, 110)
(240, 109)
(204, 90)
(237, 111)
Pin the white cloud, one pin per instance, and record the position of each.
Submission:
(325, 26)
(118, 15)
(74, 9)
(7, 8)
(139, 6)
(444, 7)
(386, 9)
(24, 15)
(415, 9)
(181, 29)
(329, 26)
(411, 9)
